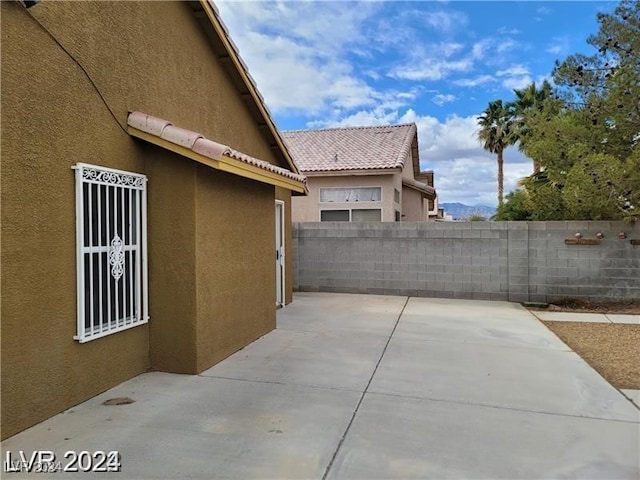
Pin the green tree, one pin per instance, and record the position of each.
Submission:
(544, 198)
(496, 134)
(530, 101)
(601, 187)
(588, 143)
(605, 86)
(515, 207)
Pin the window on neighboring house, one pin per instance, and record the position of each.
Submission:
(111, 233)
(397, 216)
(368, 215)
(354, 215)
(396, 195)
(334, 215)
(355, 194)
(432, 205)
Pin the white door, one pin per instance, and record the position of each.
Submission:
(279, 254)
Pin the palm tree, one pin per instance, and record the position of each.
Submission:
(496, 134)
(528, 100)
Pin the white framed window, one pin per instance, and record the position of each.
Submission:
(351, 194)
(111, 251)
(396, 195)
(351, 215)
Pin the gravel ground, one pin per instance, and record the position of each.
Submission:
(613, 350)
(574, 305)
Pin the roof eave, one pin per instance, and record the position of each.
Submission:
(251, 95)
(195, 146)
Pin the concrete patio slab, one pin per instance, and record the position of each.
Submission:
(551, 381)
(322, 312)
(353, 386)
(330, 359)
(329, 340)
(474, 321)
(396, 437)
(618, 318)
(202, 428)
(572, 317)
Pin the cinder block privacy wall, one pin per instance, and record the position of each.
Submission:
(515, 261)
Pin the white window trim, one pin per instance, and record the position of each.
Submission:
(94, 174)
(349, 210)
(351, 203)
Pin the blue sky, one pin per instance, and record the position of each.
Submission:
(435, 63)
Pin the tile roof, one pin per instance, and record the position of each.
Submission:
(197, 143)
(353, 148)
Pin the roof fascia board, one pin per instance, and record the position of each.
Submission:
(225, 164)
(210, 10)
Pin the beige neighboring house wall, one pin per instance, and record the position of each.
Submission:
(308, 209)
(385, 157)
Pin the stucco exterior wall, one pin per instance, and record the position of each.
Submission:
(307, 209)
(412, 205)
(235, 264)
(172, 260)
(151, 57)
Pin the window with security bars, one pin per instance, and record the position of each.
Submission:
(111, 237)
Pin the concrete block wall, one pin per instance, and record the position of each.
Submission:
(515, 261)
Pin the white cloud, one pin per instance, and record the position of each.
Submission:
(508, 31)
(514, 70)
(558, 46)
(515, 77)
(474, 82)
(517, 83)
(440, 99)
(445, 21)
(506, 45)
(430, 69)
(296, 65)
(480, 49)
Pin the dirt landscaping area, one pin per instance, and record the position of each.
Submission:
(613, 350)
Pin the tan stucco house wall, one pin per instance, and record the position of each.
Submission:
(210, 233)
(308, 208)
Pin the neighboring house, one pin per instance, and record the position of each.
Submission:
(361, 174)
(129, 241)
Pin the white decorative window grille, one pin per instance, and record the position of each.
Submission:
(111, 244)
(354, 194)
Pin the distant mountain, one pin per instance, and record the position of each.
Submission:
(460, 211)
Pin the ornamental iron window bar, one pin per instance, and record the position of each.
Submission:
(111, 248)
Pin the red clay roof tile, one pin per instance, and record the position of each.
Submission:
(353, 148)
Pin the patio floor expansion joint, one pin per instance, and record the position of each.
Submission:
(505, 407)
(364, 392)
